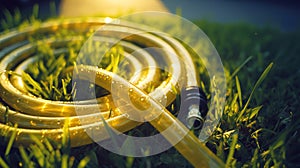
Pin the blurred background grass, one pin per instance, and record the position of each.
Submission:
(238, 33)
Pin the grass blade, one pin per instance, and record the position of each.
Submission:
(231, 150)
(128, 146)
(48, 145)
(258, 82)
(52, 8)
(8, 17)
(84, 162)
(38, 154)
(35, 11)
(39, 144)
(11, 140)
(240, 67)
(2, 163)
(24, 156)
(66, 135)
(112, 135)
(64, 161)
(254, 112)
(239, 90)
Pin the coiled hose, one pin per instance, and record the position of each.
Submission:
(45, 118)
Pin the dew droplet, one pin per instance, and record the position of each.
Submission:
(171, 91)
(32, 123)
(142, 99)
(18, 134)
(43, 133)
(126, 115)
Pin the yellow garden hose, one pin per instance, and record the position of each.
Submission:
(130, 102)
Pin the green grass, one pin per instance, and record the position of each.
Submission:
(269, 135)
(260, 124)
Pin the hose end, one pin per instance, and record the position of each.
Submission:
(194, 118)
(194, 102)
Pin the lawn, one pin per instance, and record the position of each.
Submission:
(260, 123)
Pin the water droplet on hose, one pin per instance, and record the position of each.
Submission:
(126, 115)
(58, 137)
(75, 132)
(171, 91)
(142, 99)
(19, 132)
(32, 123)
(104, 77)
(43, 133)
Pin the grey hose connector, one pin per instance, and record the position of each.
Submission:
(194, 102)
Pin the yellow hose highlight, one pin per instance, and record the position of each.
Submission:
(46, 118)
